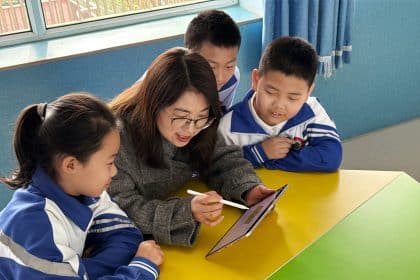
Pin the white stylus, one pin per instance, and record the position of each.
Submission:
(226, 202)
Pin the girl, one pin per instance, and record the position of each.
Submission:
(168, 125)
(60, 223)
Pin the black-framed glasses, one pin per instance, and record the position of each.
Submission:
(201, 123)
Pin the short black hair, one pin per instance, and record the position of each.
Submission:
(215, 27)
(291, 56)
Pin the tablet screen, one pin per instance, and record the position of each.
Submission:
(248, 221)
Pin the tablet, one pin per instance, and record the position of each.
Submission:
(248, 221)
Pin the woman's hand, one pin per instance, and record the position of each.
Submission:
(151, 251)
(257, 193)
(207, 209)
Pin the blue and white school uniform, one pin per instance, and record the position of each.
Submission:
(321, 148)
(44, 233)
(226, 93)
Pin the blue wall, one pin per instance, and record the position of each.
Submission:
(381, 85)
(104, 74)
(379, 88)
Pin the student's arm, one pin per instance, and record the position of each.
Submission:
(323, 151)
(231, 175)
(255, 154)
(44, 245)
(322, 154)
(112, 241)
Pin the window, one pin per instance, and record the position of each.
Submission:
(31, 20)
(13, 17)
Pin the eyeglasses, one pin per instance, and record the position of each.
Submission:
(201, 123)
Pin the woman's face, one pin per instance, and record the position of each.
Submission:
(181, 121)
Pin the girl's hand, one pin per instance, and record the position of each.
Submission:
(257, 193)
(151, 251)
(207, 209)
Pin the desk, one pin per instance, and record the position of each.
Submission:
(313, 204)
(380, 240)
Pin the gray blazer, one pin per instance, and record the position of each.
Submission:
(143, 192)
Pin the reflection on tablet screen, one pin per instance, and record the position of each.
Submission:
(252, 215)
(248, 221)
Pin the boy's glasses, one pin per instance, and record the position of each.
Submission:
(200, 124)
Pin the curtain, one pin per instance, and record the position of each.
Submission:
(326, 24)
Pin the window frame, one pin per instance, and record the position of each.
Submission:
(40, 32)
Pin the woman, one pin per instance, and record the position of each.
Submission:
(168, 125)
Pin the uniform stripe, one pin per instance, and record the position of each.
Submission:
(111, 228)
(257, 154)
(322, 131)
(321, 126)
(105, 221)
(146, 267)
(11, 250)
(325, 136)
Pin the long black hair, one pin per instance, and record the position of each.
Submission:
(168, 77)
(73, 124)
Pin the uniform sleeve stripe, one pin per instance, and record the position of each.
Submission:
(146, 264)
(321, 134)
(322, 131)
(321, 126)
(325, 136)
(145, 267)
(257, 154)
(111, 228)
(11, 250)
(105, 221)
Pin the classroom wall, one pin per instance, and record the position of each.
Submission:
(379, 88)
(104, 74)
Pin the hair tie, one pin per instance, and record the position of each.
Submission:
(42, 109)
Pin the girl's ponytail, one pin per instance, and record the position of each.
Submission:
(26, 145)
(74, 124)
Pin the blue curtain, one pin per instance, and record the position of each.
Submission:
(326, 24)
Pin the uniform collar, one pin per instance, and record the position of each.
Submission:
(244, 122)
(242, 119)
(269, 129)
(229, 83)
(75, 208)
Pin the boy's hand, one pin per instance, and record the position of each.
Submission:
(207, 209)
(257, 193)
(277, 147)
(151, 251)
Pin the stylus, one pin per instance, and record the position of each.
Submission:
(226, 202)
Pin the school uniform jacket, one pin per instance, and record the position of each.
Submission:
(147, 194)
(227, 91)
(311, 126)
(44, 232)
